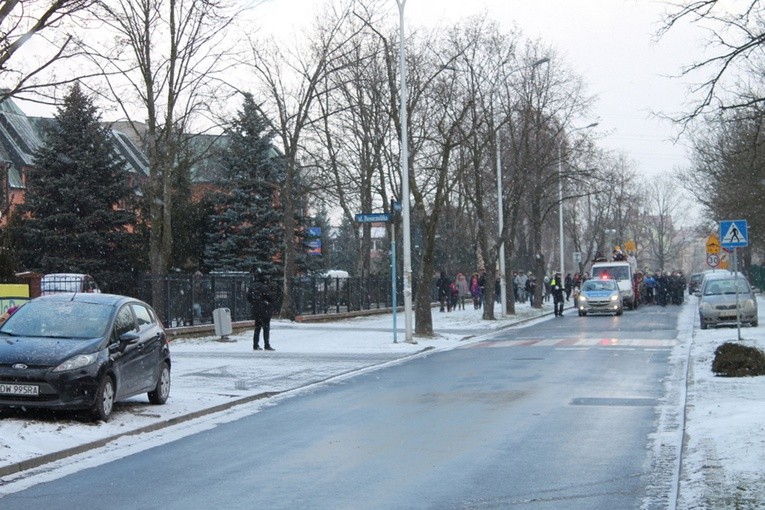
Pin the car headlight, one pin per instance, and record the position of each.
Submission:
(79, 361)
(582, 297)
(615, 297)
(749, 304)
(706, 307)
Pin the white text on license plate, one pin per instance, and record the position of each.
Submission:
(19, 389)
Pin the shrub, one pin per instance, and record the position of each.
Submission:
(736, 360)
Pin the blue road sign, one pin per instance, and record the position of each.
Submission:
(372, 218)
(734, 234)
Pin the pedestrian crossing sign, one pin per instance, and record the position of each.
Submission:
(734, 234)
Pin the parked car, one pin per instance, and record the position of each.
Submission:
(694, 281)
(600, 295)
(726, 298)
(68, 282)
(83, 351)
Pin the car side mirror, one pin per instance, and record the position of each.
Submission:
(127, 339)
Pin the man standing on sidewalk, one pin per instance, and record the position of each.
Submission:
(261, 299)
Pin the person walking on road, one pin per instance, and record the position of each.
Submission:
(557, 287)
(261, 298)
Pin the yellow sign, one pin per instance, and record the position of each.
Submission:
(13, 294)
(713, 244)
(630, 246)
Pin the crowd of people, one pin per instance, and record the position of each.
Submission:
(662, 287)
(454, 292)
(659, 287)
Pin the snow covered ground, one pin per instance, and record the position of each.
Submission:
(722, 465)
(724, 454)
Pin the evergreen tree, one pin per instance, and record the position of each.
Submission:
(312, 262)
(190, 216)
(77, 212)
(246, 227)
(345, 247)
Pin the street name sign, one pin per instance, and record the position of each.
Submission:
(373, 218)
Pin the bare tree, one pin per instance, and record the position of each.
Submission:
(727, 175)
(44, 24)
(665, 239)
(477, 73)
(592, 204)
(291, 84)
(162, 67)
(547, 150)
(736, 35)
(354, 157)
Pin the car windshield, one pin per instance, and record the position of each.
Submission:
(591, 285)
(59, 319)
(613, 272)
(726, 286)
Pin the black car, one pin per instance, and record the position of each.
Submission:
(694, 281)
(83, 351)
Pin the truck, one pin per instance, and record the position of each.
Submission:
(623, 273)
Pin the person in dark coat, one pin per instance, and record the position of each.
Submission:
(444, 293)
(557, 284)
(261, 298)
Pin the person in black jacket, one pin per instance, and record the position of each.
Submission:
(261, 298)
(557, 285)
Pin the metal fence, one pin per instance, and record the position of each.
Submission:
(189, 299)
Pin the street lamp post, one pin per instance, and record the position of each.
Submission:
(407, 248)
(560, 195)
(500, 193)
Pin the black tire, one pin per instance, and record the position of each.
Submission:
(619, 312)
(104, 404)
(755, 323)
(703, 325)
(161, 391)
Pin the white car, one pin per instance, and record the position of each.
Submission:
(600, 295)
(68, 282)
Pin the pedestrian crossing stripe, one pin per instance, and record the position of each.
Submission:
(734, 234)
(577, 342)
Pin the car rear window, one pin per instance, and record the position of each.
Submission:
(722, 286)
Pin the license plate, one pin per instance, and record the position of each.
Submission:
(19, 389)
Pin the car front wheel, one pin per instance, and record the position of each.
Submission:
(102, 409)
(161, 391)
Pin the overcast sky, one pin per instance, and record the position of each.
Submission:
(612, 44)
